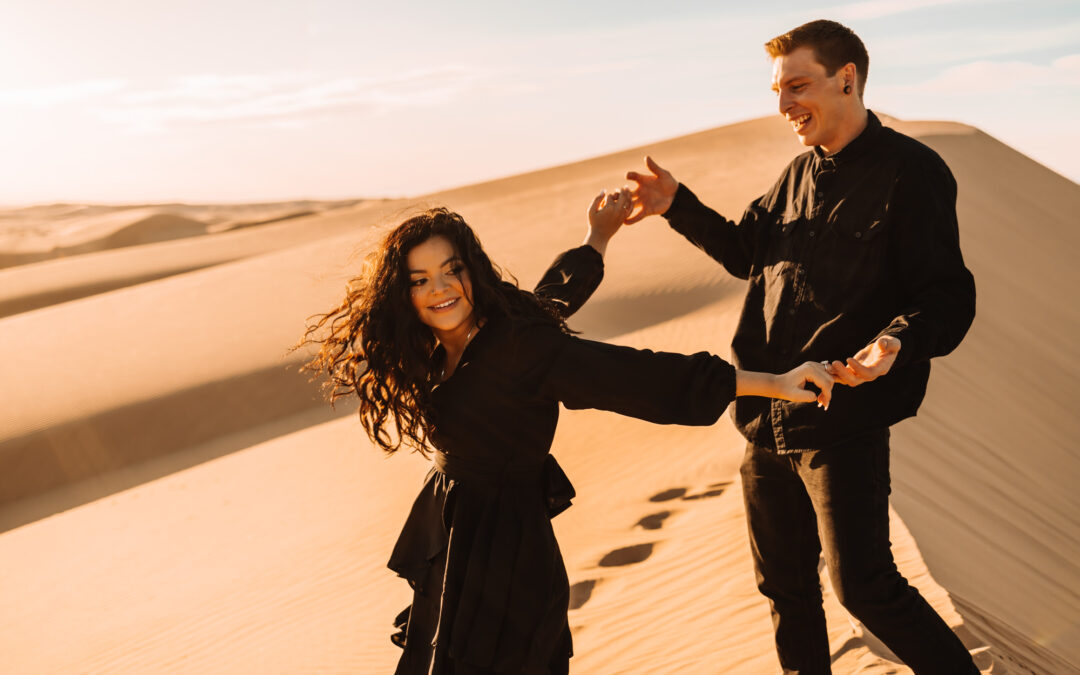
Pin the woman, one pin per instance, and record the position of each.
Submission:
(444, 353)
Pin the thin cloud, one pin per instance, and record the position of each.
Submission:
(967, 44)
(979, 77)
(255, 97)
(260, 97)
(877, 9)
(61, 93)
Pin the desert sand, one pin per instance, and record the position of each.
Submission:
(176, 498)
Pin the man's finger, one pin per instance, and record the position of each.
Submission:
(595, 206)
(653, 166)
(842, 374)
(635, 216)
(861, 371)
(635, 176)
(864, 354)
(888, 344)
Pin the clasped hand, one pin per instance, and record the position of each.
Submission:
(870, 363)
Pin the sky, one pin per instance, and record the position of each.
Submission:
(137, 101)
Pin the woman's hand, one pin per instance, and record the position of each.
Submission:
(789, 386)
(606, 215)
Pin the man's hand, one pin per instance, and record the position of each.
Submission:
(872, 361)
(653, 194)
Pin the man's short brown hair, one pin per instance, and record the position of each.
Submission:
(834, 44)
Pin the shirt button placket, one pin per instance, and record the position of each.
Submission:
(775, 413)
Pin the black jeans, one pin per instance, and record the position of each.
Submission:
(837, 500)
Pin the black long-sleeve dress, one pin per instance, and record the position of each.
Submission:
(490, 588)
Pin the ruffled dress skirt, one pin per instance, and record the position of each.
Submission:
(490, 588)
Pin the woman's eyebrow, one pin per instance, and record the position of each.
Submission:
(448, 260)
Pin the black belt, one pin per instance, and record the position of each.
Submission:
(558, 491)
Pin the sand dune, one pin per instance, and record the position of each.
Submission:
(36, 233)
(51, 282)
(176, 499)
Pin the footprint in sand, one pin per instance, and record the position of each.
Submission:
(627, 555)
(715, 490)
(581, 592)
(653, 521)
(668, 495)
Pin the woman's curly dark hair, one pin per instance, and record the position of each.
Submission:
(374, 345)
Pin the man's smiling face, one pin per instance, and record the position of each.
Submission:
(809, 99)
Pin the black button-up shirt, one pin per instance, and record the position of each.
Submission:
(842, 250)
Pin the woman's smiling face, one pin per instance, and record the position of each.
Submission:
(440, 287)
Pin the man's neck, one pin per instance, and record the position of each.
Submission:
(851, 131)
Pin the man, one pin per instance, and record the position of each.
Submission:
(853, 253)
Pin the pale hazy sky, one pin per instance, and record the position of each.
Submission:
(248, 100)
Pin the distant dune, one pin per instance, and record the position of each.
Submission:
(175, 497)
(37, 233)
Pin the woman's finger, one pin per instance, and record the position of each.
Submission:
(595, 206)
(824, 381)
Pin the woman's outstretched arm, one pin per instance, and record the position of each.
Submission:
(660, 387)
(789, 386)
(576, 274)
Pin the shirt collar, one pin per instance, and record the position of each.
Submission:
(853, 149)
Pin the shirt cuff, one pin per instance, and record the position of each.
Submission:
(684, 199)
(907, 351)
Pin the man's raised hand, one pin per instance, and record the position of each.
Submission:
(654, 191)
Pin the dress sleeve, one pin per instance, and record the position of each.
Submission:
(572, 279)
(659, 387)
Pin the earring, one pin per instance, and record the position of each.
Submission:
(847, 88)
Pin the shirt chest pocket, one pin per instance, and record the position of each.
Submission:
(864, 230)
(780, 247)
(851, 258)
(860, 215)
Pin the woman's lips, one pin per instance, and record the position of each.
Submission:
(444, 305)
